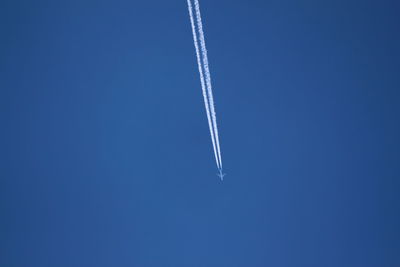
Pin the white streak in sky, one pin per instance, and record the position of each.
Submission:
(208, 79)
(202, 61)
(203, 87)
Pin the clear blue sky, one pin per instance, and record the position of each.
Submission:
(106, 159)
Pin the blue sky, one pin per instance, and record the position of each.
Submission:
(106, 158)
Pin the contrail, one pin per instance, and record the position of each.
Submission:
(208, 97)
(203, 87)
(208, 79)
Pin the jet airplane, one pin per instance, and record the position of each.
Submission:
(221, 175)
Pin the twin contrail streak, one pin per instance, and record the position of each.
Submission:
(203, 86)
(202, 61)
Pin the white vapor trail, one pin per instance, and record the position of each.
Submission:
(202, 61)
(208, 79)
(203, 87)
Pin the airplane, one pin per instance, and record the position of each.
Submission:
(221, 175)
